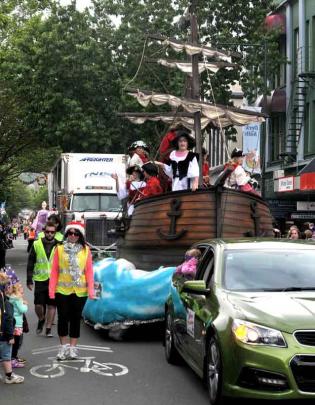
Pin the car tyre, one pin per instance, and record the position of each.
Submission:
(214, 372)
(171, 353)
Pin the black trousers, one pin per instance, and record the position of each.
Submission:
(18, 340)
(2, 258)
(69, 309)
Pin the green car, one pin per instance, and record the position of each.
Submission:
(246, 323)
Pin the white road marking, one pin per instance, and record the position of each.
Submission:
(50, 349)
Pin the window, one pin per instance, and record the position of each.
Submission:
(309, 122)
(206, 265)
(277, 135)
(258, 270)
(296, 54)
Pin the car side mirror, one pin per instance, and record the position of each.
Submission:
(197, 287)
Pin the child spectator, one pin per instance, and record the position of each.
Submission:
(6, 333)
(188, 269)
(20, 307)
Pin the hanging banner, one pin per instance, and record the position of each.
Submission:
(251, 148)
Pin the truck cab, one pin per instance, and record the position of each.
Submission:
(81, 187)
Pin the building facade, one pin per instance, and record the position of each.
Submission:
(289, 178)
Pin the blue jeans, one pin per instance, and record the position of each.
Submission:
(5, 351)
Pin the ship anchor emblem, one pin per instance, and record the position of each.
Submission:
(174, 214)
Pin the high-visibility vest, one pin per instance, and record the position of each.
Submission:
(43, 264)
(66, 285)
(31, 234)
(58, 236)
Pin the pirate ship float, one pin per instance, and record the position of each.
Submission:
(163, 227)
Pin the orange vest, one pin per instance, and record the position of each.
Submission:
(31, 234)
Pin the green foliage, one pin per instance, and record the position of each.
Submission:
(68, 70)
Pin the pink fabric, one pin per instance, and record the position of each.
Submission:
(178, 153)
(89, 275)
(189, 267)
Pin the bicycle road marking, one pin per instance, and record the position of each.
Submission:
(102, 369)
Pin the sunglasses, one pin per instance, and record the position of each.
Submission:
(51, 232)
(73, 233)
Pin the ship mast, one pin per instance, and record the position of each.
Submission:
(195, 85)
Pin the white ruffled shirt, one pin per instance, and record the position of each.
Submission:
(237, 178)
(123, 193)
(193, 171)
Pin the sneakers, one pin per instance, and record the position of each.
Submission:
(73, 353)
(40, 326)
(62, 353)
(14, 379)
(16, 364)
(48, 333)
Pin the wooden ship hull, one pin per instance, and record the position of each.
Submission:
(162, 228)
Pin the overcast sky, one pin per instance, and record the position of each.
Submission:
(81, 4)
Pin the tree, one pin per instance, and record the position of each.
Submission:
(56, 62)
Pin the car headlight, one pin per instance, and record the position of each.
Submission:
(253, 334)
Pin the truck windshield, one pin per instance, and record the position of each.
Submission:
(95, 202)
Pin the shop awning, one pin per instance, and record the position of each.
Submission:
(275, 103)
(307, 176)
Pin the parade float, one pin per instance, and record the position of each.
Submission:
(163, 227)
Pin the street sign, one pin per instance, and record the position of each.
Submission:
(305, 206)
(284, 184)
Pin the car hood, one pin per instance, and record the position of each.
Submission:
(285, 311)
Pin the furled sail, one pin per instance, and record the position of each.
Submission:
(191, 50)
(186, 67)
(218, 115)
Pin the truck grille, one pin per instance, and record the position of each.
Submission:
(97, 231)
(303, 369)
(305, 337)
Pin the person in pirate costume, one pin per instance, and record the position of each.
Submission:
(140, 155)
(131, 188)
(238, 179)
(183, 168)
(153, 186)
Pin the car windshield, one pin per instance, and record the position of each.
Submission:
(271, 270)
(95, 202)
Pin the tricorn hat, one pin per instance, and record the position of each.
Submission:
(236, 153)
(133, 168)
(150, 168)
(183, 133)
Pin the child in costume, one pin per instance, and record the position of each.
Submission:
(188, 268)
(15, 294)
(6, 333)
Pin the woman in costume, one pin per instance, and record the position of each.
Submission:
(183, 168)
(71, 282)
(238, 179)
(131, 189)
(41, 219)
(140, 155)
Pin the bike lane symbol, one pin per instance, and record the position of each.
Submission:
(83, 364)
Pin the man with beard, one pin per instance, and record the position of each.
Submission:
(38, 271)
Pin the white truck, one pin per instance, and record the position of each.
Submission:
(80, 187)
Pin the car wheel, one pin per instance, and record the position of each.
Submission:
(171, 353)
(214, 372)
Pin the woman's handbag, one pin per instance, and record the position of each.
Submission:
(26, 328)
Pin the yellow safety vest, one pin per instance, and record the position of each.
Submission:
(43, 264)
(66, 284)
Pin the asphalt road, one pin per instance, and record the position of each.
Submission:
(147, 379)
